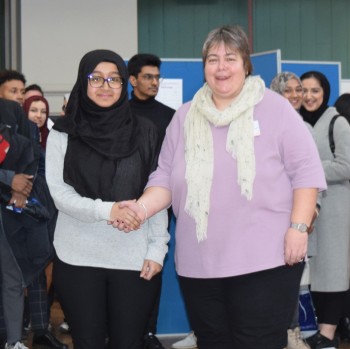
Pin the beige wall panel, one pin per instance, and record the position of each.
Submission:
(56, 34)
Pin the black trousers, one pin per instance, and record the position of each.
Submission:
(329, 306)
(153, 317)
(248, 311)
(101, 302)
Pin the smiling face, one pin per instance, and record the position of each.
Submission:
(37, 113)
(312, 94)
(225, 74)
(104, 96)
(294, 93)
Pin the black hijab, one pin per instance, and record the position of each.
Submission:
(107, 130)
(312, 116)
(98, 137)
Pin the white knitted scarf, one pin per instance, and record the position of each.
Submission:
(199, 153)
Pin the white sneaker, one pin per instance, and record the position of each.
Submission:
(189, 342)
(18, 345)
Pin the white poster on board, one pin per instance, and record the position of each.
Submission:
(170, 93)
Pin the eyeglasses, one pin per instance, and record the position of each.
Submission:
(98, 81)
(151, 77)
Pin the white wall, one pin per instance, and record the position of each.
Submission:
(345, 86)
(56, 34)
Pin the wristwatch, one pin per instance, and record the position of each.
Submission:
(302, 227)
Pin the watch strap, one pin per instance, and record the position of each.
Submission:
(302, 227)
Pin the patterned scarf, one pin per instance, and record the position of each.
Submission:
(199, 153)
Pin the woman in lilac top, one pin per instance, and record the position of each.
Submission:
(242, 173)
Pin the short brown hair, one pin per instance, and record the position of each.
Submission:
(232, 36)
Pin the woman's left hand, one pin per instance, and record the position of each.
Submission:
(149, 269)
(295, 246)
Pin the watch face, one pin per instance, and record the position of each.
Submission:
(302, 227)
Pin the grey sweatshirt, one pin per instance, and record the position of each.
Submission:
(82, 235)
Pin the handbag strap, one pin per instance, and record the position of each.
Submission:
(330, 133)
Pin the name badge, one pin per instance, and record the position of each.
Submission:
(256, 128)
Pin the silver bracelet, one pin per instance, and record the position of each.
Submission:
(145, 209)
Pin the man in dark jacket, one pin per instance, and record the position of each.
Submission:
(11, 281)
(19, 271)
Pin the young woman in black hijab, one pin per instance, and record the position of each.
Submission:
(329, 267)
(98, 155)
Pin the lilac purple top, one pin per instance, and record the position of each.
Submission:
(243, 236)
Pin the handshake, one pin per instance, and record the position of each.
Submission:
(128, 215)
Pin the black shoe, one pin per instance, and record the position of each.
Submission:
(47, 341)
(150, 341)
(2, 343)
(318, 341)
(343, 329)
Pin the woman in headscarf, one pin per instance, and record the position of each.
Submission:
(37, 111)
(329, 268)
(98, 155)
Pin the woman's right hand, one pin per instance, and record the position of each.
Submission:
(124, 217)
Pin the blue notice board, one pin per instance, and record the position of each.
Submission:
(267, 65)
(189, 70)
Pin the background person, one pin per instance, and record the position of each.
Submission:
(64, 105)
(144, 77)
(12, 85)
(241, 171)
(33, 90)
(289, 86)
(64, 327)
(329, 267)
(97, 155)
(37, 110)
(342, 104)
(36, 90)
(11, 278)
